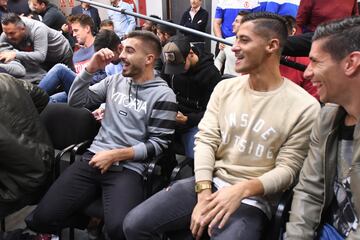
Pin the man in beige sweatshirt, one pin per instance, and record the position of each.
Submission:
(251, 144)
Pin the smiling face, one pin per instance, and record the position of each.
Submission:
(325, 73)
(133, 58)
(81, 33)
(38, 7)
(236, 23)
(249, 48)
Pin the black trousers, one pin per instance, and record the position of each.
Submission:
(77, 187)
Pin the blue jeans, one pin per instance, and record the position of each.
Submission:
(169, 211)
(59, 75)
(187, 140)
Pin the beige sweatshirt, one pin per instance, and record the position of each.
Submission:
(247, 134)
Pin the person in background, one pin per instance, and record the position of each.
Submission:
(107, 24)
(150, 25)
(86, 8)
(225, 60)
(123, 23)
(196, 18)
(294, 75)
(49, 14)
(193, 76)
(35, 42)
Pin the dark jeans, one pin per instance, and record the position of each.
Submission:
(170, 211)
(77, 187)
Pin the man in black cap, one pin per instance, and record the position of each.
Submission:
(192, 76)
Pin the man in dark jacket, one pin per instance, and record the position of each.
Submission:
(85, 8)
(25, 148)
(196, 18)
(192, 76)
(49, 14)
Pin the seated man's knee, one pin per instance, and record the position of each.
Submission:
(134, 223)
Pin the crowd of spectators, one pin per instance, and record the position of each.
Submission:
(253, 127)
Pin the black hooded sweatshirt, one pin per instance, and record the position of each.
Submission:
(193, 88)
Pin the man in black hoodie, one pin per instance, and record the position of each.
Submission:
(192, 76)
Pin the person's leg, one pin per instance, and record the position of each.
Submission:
(60, 97)
(247, 222)
(58, 75)
(188, 139)
(167, 210)
(74, 189)
(122, 191)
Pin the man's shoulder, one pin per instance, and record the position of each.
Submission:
(297, 92)
(232, 84)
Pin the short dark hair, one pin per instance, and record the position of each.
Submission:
(290, 23)
(46, 2)
(167, 29)
(155, 16)
(106, 39)
(148, 38)
(342, 36)
(83, 19)
(106, 22)
(12, 18)
(269, 25)
(243, 12)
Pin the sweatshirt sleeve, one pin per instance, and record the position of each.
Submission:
(208, 139)
(40, 41)
(81, 94)
(303, 15)
(161, 127)
(292, 153)
(14, 68)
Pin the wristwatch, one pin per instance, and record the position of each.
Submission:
(202, 186)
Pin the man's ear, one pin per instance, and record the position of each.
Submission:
(150, 58)
(352, 63)
(273, 45)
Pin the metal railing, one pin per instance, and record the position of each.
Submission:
(283, 61)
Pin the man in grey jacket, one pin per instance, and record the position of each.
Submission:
(327, 198)
(35, 42)
(138, 124)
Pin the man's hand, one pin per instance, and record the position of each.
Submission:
(221, 46)
(7, 56)
(99, 114)
(198, 225)
(103, 160)
(65, 28)
(226, 200)
(181, 118)
(222, 204)
(99, 60)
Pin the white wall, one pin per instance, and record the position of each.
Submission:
(155, 7)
